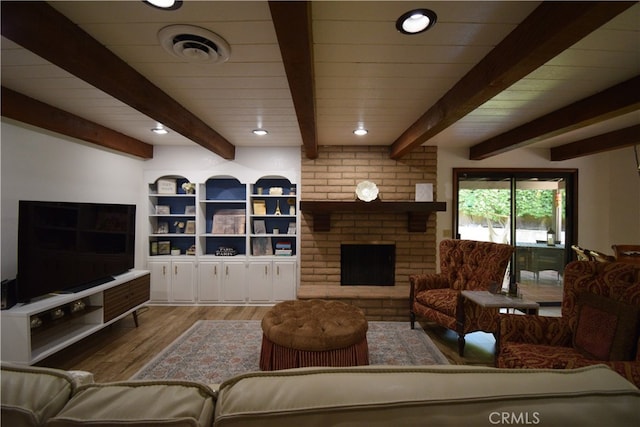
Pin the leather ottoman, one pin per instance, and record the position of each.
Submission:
(313, 333)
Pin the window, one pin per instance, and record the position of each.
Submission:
(531, 209)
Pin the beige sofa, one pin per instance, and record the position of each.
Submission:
(361, 396)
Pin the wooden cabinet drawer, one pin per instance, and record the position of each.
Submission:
(140, 290)
(121, 298)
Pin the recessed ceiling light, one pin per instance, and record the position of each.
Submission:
(416, 21)
(164, 4)
(160, 130)
(360, 131)
(260, 132)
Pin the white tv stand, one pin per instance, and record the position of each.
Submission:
(103, 305)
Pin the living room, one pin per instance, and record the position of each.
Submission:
(120, 351)
(44, 165)
(40, 165)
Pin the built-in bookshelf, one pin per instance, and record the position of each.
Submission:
(172, 217)
(239, 241)
(273, 217)
(223, 203)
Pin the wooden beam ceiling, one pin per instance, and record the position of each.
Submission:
(550, 29)
(620, 138)
(615, 101)
(28, 110)
(40, 28)
(292, 21)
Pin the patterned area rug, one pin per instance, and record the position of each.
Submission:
(212, 351)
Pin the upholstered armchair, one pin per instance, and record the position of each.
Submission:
(600, 323)
(464, 265)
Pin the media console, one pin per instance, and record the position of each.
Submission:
(34, 331)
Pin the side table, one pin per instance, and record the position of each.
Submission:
(488, 300)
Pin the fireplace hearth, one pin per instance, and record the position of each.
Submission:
(367, 264)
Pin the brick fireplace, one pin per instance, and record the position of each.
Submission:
(333, 176)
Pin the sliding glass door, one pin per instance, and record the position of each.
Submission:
(533, 210)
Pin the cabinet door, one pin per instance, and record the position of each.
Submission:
(209, 280)
(233, 281)
(284, 280)
(182, 282)
(259, 283)
(160, 280)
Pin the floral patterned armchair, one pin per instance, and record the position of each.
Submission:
(464, 265)
(600, 323)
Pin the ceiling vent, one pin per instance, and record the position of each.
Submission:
(194, 44)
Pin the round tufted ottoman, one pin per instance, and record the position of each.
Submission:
(313, 333)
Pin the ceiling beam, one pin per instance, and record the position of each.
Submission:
(620, 138)
(28, 110)
(292, 21)
(620, 99)
(550, 29)
(40, 28)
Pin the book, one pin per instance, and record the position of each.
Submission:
(229, 221)
(292, 228)
(163, 210)
(259, 207)
(261, 246)
(259, 226)
(283, 245)
(166, 186)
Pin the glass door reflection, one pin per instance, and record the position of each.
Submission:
(540, 237)
(527, 210)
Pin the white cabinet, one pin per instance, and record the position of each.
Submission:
(172, 280)
(209, 281)
(233, 281)
(271, 280)
(34, 331)
(182, 281)
(284, 280)
(260, 283)
(221, 281)
(160, 280)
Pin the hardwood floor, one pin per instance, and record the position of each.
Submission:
(117, 352)
(120, 350)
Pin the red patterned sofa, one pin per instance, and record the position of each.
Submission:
(600, 323)
(464, 265)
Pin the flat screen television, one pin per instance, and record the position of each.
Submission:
(67, 247)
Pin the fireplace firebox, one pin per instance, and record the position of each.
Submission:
(367, 264)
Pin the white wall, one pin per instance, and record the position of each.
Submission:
(623, 197)
(199, 164)
(37, 165)
(608, 191)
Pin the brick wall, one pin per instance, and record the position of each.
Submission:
(334, 176)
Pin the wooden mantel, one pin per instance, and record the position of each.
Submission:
(417, 212)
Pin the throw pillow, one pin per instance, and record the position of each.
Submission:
(606, 329)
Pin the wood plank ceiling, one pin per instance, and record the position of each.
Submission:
(489, 76)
